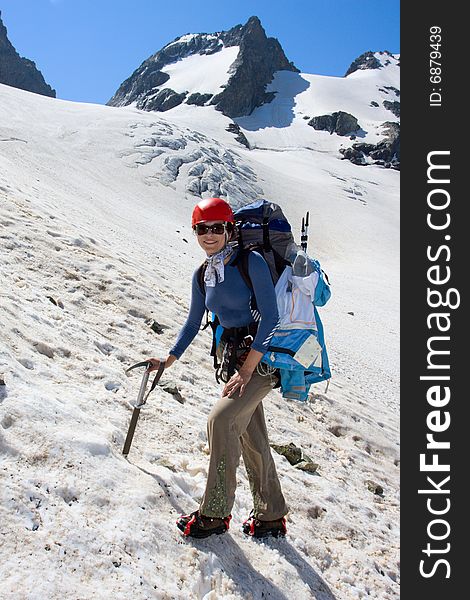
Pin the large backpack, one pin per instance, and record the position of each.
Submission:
(262, 226)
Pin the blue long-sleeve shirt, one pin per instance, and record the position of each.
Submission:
(230, 301)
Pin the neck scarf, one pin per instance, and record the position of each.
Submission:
(215, 266)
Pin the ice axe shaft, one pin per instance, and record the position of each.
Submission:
(141, 400)
(130, 433)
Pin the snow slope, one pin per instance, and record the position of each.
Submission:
(95, 244)
(282, 123)
(201, 72)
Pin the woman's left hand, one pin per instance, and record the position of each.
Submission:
(239, 380)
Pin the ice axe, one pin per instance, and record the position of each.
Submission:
(141, 399)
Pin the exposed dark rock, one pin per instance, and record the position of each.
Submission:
(375, 488)
(368, 60)
(364, 61)
(163, 100)
(341, 123)
(198, 99)
(156, 327)
(307, 465)
(257, 61)
(385, 153)
(139, 87)
(357, 153)
(259, 58)
(292, 452)
(172, 388)
(392, 89)
(296, 457)
(393, 107)
(239, 135)
(20, 72)
(375, 104)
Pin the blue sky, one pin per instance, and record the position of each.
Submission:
(86, 48)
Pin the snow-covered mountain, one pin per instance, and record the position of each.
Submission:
(96, 260)
(17, 71)
(228, 69)
(247, 76)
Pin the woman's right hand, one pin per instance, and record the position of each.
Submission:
(155, 362)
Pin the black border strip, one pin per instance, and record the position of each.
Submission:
(434, 250)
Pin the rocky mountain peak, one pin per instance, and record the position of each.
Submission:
(254, 28)
(372, 60)
(17, 71)
(251, 69)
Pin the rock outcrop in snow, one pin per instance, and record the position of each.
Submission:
(20, 72)
(252, 68)
(393, 107)
(341, 123)
(372, 60)
(385, 153)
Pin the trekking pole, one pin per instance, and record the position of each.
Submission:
(306, 230)
(304, 233)
(141, 400)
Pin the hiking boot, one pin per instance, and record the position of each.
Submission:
(259, 529)
(199, 526)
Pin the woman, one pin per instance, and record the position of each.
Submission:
(236, 423)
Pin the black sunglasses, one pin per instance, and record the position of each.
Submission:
(203, 229)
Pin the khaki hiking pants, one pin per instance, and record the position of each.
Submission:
(236, 426)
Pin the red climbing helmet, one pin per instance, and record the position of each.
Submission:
(212, 209)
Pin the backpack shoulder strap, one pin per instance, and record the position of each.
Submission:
(241, 262)
(200, 280)
(244, 270)
(200, 276)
